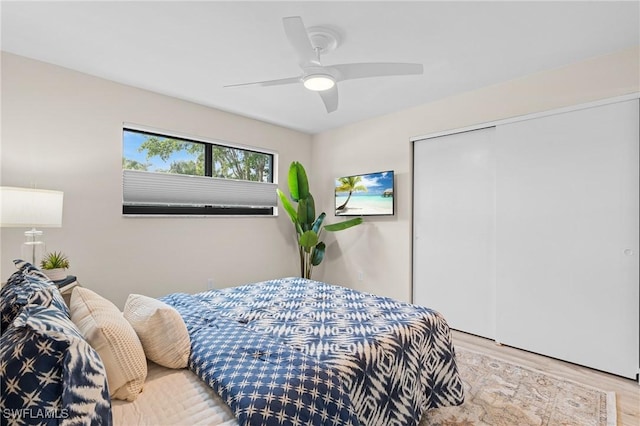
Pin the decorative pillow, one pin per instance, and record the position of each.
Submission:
(28, 269)
(50, 375)
(161, 330)
(27, 287)
(104, 327)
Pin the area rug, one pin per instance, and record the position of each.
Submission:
(500, 393)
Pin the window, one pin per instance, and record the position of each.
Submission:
(173, 175)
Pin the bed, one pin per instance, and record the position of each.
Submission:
(360, 358)
(281, 352)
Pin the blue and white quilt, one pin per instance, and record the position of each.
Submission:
(299, 352)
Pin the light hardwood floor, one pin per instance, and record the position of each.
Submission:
(627, 391)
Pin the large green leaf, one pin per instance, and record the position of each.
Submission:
(298, 182)
(318, 223)
(306, 212)
(318, 254)
(308, 240)
(303, 220)
(293, 182)
(303, 182)
(288, 207)
(311, 210)
(343, 225)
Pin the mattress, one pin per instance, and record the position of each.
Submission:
(173, 397)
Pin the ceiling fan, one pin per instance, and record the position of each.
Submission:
(309, 44)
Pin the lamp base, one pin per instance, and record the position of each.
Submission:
(33, 249)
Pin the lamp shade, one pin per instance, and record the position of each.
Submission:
(26, 207)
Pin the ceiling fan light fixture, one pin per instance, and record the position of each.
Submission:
(319, 82)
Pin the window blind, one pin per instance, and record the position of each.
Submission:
(166, 189)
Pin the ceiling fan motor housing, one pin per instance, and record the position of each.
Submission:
(323, 39)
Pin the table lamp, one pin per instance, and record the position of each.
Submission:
(31, 208)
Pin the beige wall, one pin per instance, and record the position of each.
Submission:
(63, 130)
(381, 248)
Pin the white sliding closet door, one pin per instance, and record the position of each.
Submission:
(567, 236)
(453, 251)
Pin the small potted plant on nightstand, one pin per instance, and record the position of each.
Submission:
(54, 265)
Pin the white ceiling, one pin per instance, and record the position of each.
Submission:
(190, 50)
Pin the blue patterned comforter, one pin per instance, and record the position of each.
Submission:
(299, 352)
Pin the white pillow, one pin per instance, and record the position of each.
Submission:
(161, 330)
(106, 330)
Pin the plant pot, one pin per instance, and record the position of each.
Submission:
(55, 274)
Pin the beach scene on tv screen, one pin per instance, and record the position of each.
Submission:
(368, 194)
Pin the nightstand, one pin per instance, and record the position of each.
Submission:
(66, 286)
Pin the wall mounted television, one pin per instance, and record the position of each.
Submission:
(369, 194)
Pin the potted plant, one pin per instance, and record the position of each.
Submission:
(308, 227)
(54, 265)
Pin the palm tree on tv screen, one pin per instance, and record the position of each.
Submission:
(349, 184)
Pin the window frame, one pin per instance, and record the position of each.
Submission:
(140, 210)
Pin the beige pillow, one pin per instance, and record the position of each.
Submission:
(106, 330)
(161, 330)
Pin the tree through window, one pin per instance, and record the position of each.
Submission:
(152, 152)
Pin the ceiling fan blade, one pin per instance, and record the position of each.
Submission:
(376, 69)
(330, 98)
(278, 82)
(299, 39)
